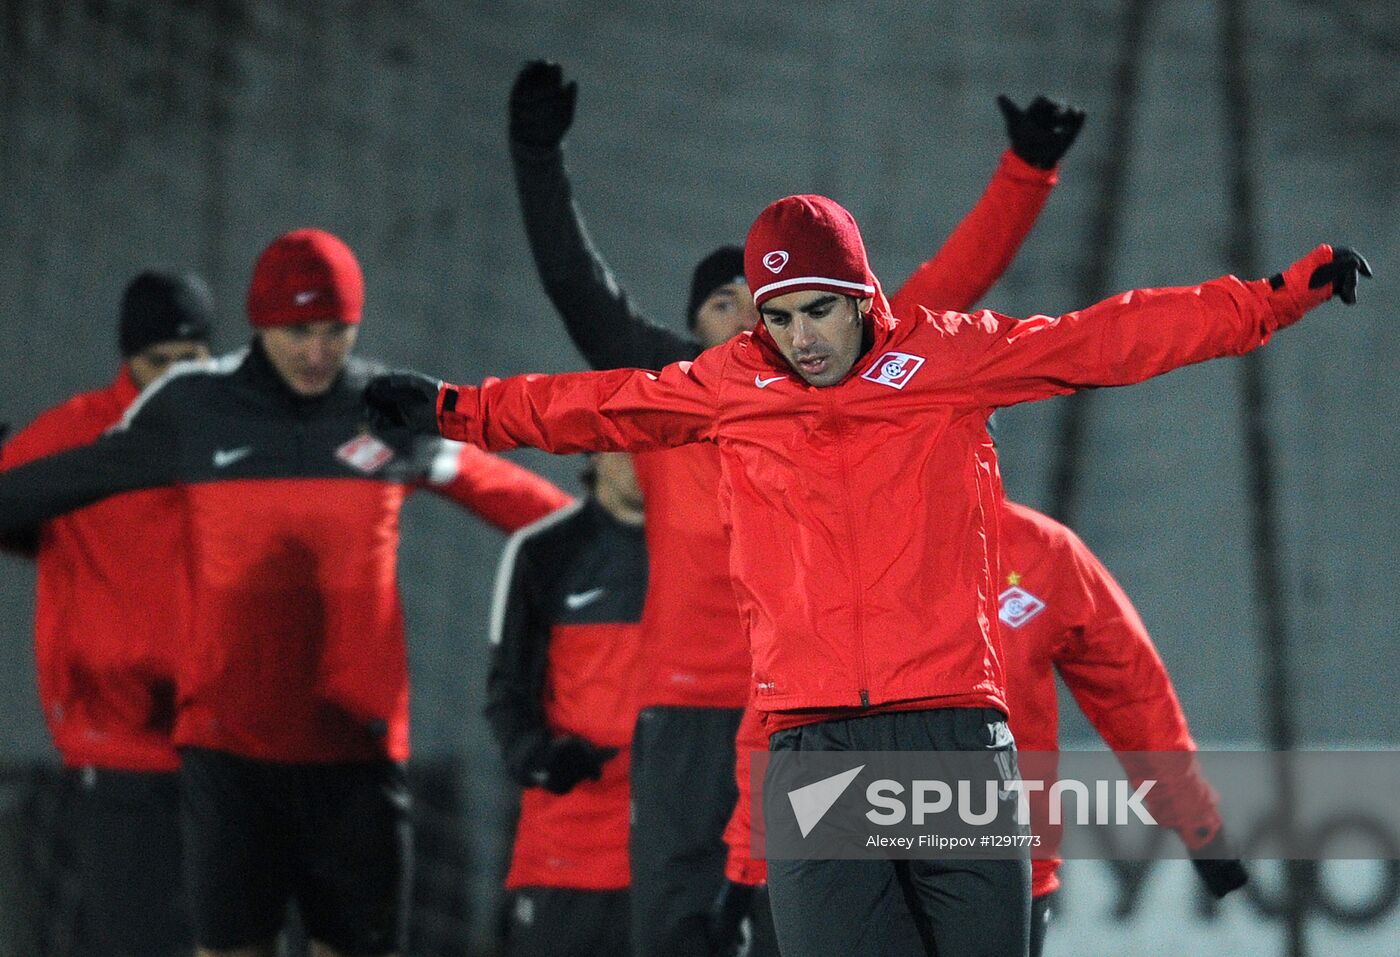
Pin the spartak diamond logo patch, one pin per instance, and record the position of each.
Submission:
(894, 369)
(365, 453)
(1019, 606)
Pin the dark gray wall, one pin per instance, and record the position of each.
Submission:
(135, 134)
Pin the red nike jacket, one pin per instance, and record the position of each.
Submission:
(566, 650)
(295, 645)
(863, 515)
(1060, 612)
(111, 602)
(696, 649)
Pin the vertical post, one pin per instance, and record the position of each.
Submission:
(1100, 256)
(1274, 636)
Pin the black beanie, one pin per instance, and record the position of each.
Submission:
(163, 307)
(719, 268)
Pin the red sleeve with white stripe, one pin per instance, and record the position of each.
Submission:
(500, 492)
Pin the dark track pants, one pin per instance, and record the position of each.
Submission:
(683, 793)
(970, 908)
(564, 922)
(125, 832)
(1042, 912)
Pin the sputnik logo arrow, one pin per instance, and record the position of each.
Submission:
(811, 801)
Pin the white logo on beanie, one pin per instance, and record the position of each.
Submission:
(302, 298)
(776, 260)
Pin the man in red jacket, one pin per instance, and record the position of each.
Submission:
(109, 609)
(1062, 612)
(695, 652)
(562, 700)
(861, 492)
(292, 688)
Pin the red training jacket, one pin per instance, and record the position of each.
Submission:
(295, 646)
(863, 515)
(111, 601)
(566, 639)
(1060, 611)
(695, 649)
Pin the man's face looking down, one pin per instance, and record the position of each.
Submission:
(724, 314)
(310, 355)
(819, 333)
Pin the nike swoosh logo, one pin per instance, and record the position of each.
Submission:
(226, 457)
(765, 383)
(577, 600)
(302, 298)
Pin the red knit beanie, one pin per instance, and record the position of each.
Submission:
(306, 275)
(806, 242)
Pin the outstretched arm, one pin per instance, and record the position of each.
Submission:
(138, 453)
(499, 491)
(603, 322)
(615, 410)
(1136, 335)
(978, 251)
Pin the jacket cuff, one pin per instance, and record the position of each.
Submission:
(1289, 295)
(452, 420)
(1018, 169)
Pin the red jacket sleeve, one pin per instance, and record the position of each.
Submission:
(1109, 664)
(741, 866)
(978, 251)
(1125, 339)
(616, 410)
(501, 492)
(57, 430)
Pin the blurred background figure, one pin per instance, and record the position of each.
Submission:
(111, 607)
(291, 707)
(562, 700)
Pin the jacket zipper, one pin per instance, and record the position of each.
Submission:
(863, 671)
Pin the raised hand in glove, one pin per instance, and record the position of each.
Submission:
(1341, 273)
(724, 924)
(567, 761)
(1323, 273)
(1218, 866)
(402, 405)
(1043, 132)
(541, 105)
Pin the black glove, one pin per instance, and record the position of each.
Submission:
(541, 105)
(1341, 273)
(724, 925)
(402, 405)
(1218, 866)
(567, 761)
(1042, 132)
